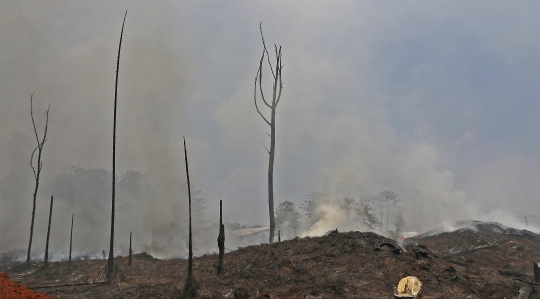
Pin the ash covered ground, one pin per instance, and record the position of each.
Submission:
(476, 260)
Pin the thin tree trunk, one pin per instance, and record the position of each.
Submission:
(271, 176)
(221, 239)
(111, 248)
(153, 219)
(33, 216)
(190, 262)
(70, 241)
(39, 148)
(276, 96)
(189, 288)
(130, 248)
(46, 259)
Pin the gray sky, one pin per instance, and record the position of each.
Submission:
(435, 100)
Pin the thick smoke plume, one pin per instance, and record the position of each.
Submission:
(436, 104)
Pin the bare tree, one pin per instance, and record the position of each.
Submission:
(130, 251)
(277, 86)
(389, 199)
(46, 258)
(110, 263)
(70, 240)
(190, 287)
(221, 239)
(37, 172)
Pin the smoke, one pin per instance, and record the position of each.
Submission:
(331, 216)
(413, 99)
(69, 59)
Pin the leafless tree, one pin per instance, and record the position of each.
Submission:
(221, 239)
(130, 251)
(70, 240)
(190, 287)
(110, 263)
(37, 172)
(277, 87)
(389, 199)
(46, 258)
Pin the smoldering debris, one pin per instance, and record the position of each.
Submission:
(339, 264)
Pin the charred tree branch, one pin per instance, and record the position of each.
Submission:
(46, 259)
(37, 172)
(277, 86)
(110, 263)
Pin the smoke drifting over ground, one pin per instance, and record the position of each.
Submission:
(429, 101)
(76, 76)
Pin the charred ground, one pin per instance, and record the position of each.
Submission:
(480, 260)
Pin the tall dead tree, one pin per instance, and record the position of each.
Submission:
(277, 87)
(70, 241)
(190, 287)
(221, 239)
(46, 259)
(37, 172)
(130, 251)
(110, 263)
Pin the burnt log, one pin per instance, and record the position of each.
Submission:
(421, 252)
(390, 243)
(451, 274)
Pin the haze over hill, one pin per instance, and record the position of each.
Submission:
(435, 101)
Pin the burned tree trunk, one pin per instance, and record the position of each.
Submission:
(190, 287)
(130, 248)
(110, 263)
(70, 241)
(277, 86)
(221, 239)
(279, 236)
(46, 259)
(39, 148)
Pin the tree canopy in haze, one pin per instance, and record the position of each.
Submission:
(92, 185)
(286, 215)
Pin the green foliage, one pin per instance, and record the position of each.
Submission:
(390, 198)
(366, 213)
(93, 186)
(286, 215)
(313, 199)
(366, 208)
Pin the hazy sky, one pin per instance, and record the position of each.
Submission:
(436, 100)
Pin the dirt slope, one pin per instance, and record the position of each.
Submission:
(338, 265)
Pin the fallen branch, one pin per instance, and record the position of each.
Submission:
(523, 280)
(457, 263)
(511, 273)
(66, 285)
(469, 251)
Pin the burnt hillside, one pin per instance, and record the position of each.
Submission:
(458, 264)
